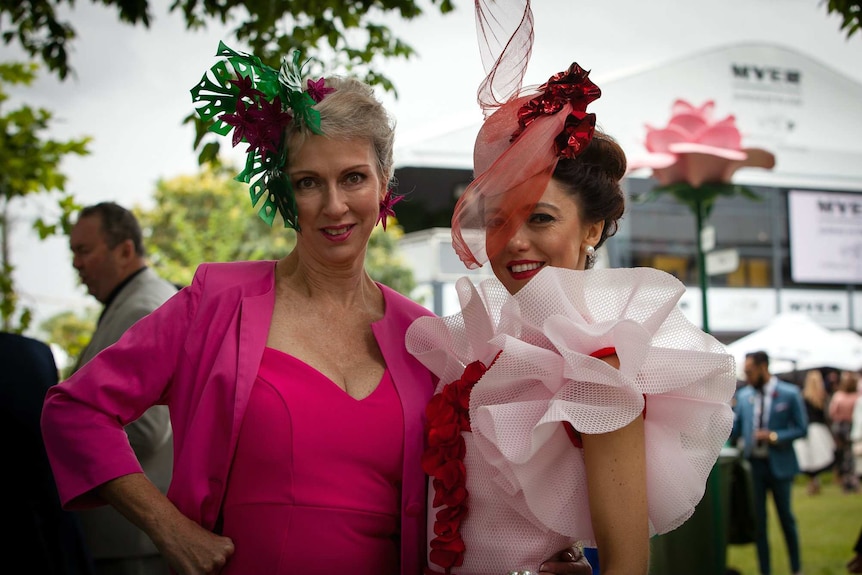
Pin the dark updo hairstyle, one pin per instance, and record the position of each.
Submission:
(593, 179)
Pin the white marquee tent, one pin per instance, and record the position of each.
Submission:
(795, 342)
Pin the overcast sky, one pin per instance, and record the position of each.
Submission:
(131, 88)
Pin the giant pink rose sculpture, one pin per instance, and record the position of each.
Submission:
(696, 149)
(694, 159)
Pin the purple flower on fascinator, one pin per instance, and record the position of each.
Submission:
(317, 90)
(246, 88)
(386, 206)
(269, 124)
(242, 122)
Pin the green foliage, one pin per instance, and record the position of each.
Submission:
(851, 14)
(29, 165)
(70, 331)
(383, 262)
(347, 33)
(15, 319)
(207, 217)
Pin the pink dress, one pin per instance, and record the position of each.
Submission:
(526, 483)
(315, 482)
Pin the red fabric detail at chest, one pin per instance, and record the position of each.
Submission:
(574, 435)
(604, 352)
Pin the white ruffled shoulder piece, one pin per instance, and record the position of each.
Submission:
(445, 345)
(680, 378)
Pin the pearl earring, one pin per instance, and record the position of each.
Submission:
(591, 254)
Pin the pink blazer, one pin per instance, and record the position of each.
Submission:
(199, 353)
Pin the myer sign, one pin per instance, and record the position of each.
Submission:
(825, 237)
(760, 77)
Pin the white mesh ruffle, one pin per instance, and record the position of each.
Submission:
(544, 376)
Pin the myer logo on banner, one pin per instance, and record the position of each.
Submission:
(828, 308)
(754, 74)
(767, 84)
(840, 206)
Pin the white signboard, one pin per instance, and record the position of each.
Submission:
(722, 262)
(731, 309)
(828, 308)
(749, 309)
(707, 238)
(825, 237)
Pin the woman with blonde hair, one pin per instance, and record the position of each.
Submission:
(816, 451)
(297, 411)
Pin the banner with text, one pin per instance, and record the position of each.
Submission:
(825, 237)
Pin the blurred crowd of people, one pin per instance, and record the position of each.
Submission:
(807, 422)
(833, 402)
(834, 440)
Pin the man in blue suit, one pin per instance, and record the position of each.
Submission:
(768, 415)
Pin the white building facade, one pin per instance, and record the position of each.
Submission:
(797, 249)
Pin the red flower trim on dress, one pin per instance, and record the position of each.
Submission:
(448, 414)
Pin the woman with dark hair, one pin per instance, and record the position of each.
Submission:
(575, 405)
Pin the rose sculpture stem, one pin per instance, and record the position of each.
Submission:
(700, 216)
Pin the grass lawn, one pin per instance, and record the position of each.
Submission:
(829, 524)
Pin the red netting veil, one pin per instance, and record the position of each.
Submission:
(525, 133)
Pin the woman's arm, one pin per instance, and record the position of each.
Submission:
(616, 478)
(83, 418)
(186, 546)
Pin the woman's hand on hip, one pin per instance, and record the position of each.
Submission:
(569, 561)
(187, 547)
(192, 550)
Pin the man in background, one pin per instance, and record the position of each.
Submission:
(108, 254)
(768, 415)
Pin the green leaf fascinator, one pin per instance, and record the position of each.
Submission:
(259, 103)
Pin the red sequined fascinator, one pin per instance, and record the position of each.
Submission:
(525, 133)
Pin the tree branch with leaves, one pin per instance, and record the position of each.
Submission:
(347, 33)
(29, 165)
(850, 12)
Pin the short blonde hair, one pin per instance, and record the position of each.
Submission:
(352, 112)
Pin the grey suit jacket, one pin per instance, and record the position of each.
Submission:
(109, 534)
